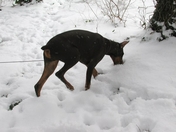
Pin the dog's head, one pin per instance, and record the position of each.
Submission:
(117, 57)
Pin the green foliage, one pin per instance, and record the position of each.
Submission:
(22, 2)
(164, 17)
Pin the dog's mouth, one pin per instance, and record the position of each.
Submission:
(117, 60)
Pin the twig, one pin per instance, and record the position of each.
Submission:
(90, 8)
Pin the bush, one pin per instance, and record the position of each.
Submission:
(164, 18)
(22, 2)
(115, 9)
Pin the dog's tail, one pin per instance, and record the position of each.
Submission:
(45, 47)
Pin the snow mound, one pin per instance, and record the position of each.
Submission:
(138, 96)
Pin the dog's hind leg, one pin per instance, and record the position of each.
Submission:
(49, 67)
(62, 71)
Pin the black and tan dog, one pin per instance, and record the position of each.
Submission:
(77, 45)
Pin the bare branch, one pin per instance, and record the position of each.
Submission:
(90, 8)
(115, 9)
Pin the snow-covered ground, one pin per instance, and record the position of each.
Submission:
(138, 96)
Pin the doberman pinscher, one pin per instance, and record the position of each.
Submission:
(77, 45)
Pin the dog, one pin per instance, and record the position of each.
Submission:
(77, 45)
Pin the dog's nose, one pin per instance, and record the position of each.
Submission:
(118, 60)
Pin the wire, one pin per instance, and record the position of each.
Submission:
(5, 62)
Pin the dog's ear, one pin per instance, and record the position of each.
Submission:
(124, 43)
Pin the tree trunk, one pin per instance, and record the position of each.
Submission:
(164, 17)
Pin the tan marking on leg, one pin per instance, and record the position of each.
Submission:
(95, 73)
(48, 70)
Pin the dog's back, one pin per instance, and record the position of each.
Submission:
(87, 43)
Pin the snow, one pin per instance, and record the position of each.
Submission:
(138, 96)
